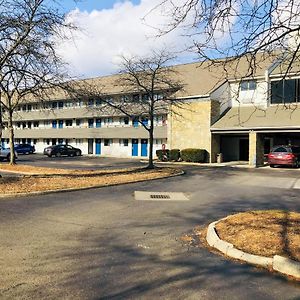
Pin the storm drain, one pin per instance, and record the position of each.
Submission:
(159, 196)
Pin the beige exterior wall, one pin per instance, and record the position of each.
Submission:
(189, 125)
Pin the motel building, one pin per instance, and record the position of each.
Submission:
(233, 114)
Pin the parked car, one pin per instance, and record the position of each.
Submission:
(284, 155)
(5, 153)
(24, 149)
(59, 150)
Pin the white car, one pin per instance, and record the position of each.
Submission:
(5, 153)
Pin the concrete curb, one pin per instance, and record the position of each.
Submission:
(278, 263)
(83, 188)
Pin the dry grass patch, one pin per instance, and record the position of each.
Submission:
(32, 170)
(35, 184)
(264, 233)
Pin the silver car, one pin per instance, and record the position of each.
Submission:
(5, 153)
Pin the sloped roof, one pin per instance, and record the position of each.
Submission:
(198, 79)
(243, 118)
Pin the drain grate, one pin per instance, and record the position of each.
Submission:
(160, 196)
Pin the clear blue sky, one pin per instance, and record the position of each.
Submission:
(90, 5)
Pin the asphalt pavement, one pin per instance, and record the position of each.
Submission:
(104, 244)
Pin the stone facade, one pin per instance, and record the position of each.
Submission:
(256, 149)
(189, 125)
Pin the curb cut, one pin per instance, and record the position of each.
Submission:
(278, 263)
(2, 196)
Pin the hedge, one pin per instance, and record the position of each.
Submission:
(174, 154)
(194, 155)
(163, 155)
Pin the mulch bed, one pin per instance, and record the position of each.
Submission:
(84, 179)
(266, 233)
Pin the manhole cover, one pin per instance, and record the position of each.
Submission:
(159, 196)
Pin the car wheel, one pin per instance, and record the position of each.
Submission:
(296, 164)
(71, 154)
(272, 166)
(77, 153)
(58, 154)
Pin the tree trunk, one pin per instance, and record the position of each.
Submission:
(151, 129)
(11, 140)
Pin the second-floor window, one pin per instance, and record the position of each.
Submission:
(248, 85)
(285, 91)
(69, 123)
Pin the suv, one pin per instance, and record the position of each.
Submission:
(5, 153)
(24, 149)
(284, 155)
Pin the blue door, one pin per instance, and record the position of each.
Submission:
(144, 147)
(54, 122)
(60, 124)
(98, 146)
(145, 121)
(135, 122)
(98, 123)
(135, 149)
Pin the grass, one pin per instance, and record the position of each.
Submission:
(266, 232)
(82, 179)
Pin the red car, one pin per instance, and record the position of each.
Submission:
(284, 155)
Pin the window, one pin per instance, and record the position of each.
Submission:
(46, 141)
(78, 122)
(36, 124)
(18, 124)
(78, 141)
(60, 105)
(54, 105)
(285, 91)
(248, 85)
(69, 122)
(98, 102)
(34, 141)
(98, 123)
(123, 142)
(91, 123)
(107, 142)
(29, 107)
(145, 97)
(91, 102)
(126, 120)
(280, 149)
(29, 125)
(136, 98)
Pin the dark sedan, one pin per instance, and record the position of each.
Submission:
(59, 150)
(24, 149)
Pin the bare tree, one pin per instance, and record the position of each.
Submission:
(235, 29)
(148, 86)
(29, 63)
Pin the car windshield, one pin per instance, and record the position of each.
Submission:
(280, 149)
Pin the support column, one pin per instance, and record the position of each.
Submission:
(215, 147)
(256, 149)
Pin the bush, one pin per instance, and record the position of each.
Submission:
(194, 155)
(163, 155)
(174, 154)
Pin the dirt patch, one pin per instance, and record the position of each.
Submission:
(266, 233)
(13, 185)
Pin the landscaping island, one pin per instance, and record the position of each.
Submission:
(30, 179)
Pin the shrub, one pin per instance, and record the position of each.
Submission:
(163, 155)
(193, 155)
(174, 154)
